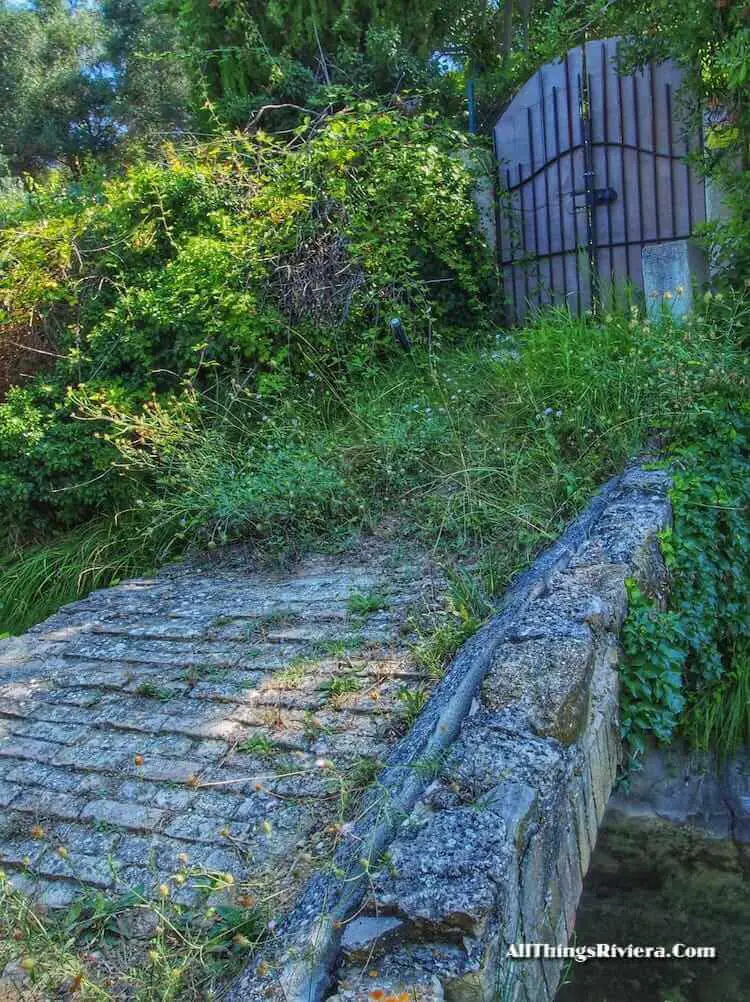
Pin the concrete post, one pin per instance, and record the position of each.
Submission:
(671, 273)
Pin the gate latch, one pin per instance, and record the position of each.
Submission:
(600, 196)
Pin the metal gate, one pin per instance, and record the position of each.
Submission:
(592, 166)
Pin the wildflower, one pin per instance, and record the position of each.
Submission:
(266, 826)
(668, 294)
(62, 852)
(680, 290)
(163, 890)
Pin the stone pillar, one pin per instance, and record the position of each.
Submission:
(671, 272)
(483, 195)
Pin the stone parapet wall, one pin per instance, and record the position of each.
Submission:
(481, 829)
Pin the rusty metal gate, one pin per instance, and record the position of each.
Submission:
(592, 166)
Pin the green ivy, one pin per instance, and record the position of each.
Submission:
(679, 660)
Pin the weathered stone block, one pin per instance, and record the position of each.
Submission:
(77, 866)
(28, 748)
(445, 874)
(132, 816)
(366, 937)
(45, 804)
(547, 680)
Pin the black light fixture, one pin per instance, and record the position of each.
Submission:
(400, 334)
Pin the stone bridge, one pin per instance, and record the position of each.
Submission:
(226, 721)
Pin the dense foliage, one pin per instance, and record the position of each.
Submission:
(687, 665)
(248, 257)
(492, 446)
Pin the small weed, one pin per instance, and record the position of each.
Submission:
(291, 676)
(312, 727)
(435, 650)
(339, 647)
(151, 691)
(430, 766)
(203, 673)
(366, 603)
(340, 686)
(413, 701)
(261, 627)
(257, 745)
(467, 596)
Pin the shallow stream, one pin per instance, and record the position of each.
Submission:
(654, 884)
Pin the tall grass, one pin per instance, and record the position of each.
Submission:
(718, 716)
(492, 447)
(94, 556)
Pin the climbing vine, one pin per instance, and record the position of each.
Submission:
(685, 665)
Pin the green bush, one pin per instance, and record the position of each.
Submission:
(254, 258)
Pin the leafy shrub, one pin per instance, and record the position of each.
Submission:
(250, 257)
(54, 471)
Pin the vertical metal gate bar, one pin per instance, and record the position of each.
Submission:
(621, 116)
(636, 119)
(689, 176)
(670, 140)
(512, 247)
(543, 106)
(571, 154)
(537, 248)
(560, 212)
(524, 248)
(652, 89)
(499, 255)
(605, 136)
(584, 110)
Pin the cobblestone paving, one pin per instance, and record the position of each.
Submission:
(207, 717)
